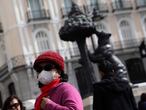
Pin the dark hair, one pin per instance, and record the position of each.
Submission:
(64, 76)
(105, 66)
(8, 101)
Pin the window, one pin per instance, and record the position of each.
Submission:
(42, 41)
(93, 2)
(141, 2)
(125, 30)
(36, 6)
(145, 24)
(68, 5)
(119, 4)
(11, 88)
(73, 48)
(136, 70)
(101, 27)
(126, 33)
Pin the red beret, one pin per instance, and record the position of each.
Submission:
(50, 57)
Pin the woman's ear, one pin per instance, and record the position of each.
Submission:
(57, 75)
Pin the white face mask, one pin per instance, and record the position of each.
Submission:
(46, 77)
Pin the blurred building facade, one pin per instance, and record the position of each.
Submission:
(29, 27)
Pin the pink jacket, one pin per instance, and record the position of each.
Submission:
(64, 97)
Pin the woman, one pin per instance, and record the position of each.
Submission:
(56, 93)
(12, 103)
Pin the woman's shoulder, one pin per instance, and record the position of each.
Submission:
(66, 86)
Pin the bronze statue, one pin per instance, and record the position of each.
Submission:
(104, 51)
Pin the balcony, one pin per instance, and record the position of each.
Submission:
(129, 45)
(18, 61)
(1, 28)
(65, 11)
(88, 9)
(74, 52)
(38, 15)
(140, 4)
(121, 5)
(100, 7)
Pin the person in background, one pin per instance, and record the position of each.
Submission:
(112, 92)
(142, 102)
(13, 103)
(56, 92)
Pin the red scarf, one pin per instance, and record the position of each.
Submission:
(45, 90)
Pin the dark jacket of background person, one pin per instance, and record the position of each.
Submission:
(142, 102)
(113, 94)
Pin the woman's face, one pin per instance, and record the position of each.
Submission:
(47, 74)
(49, 67)
(14, 105)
